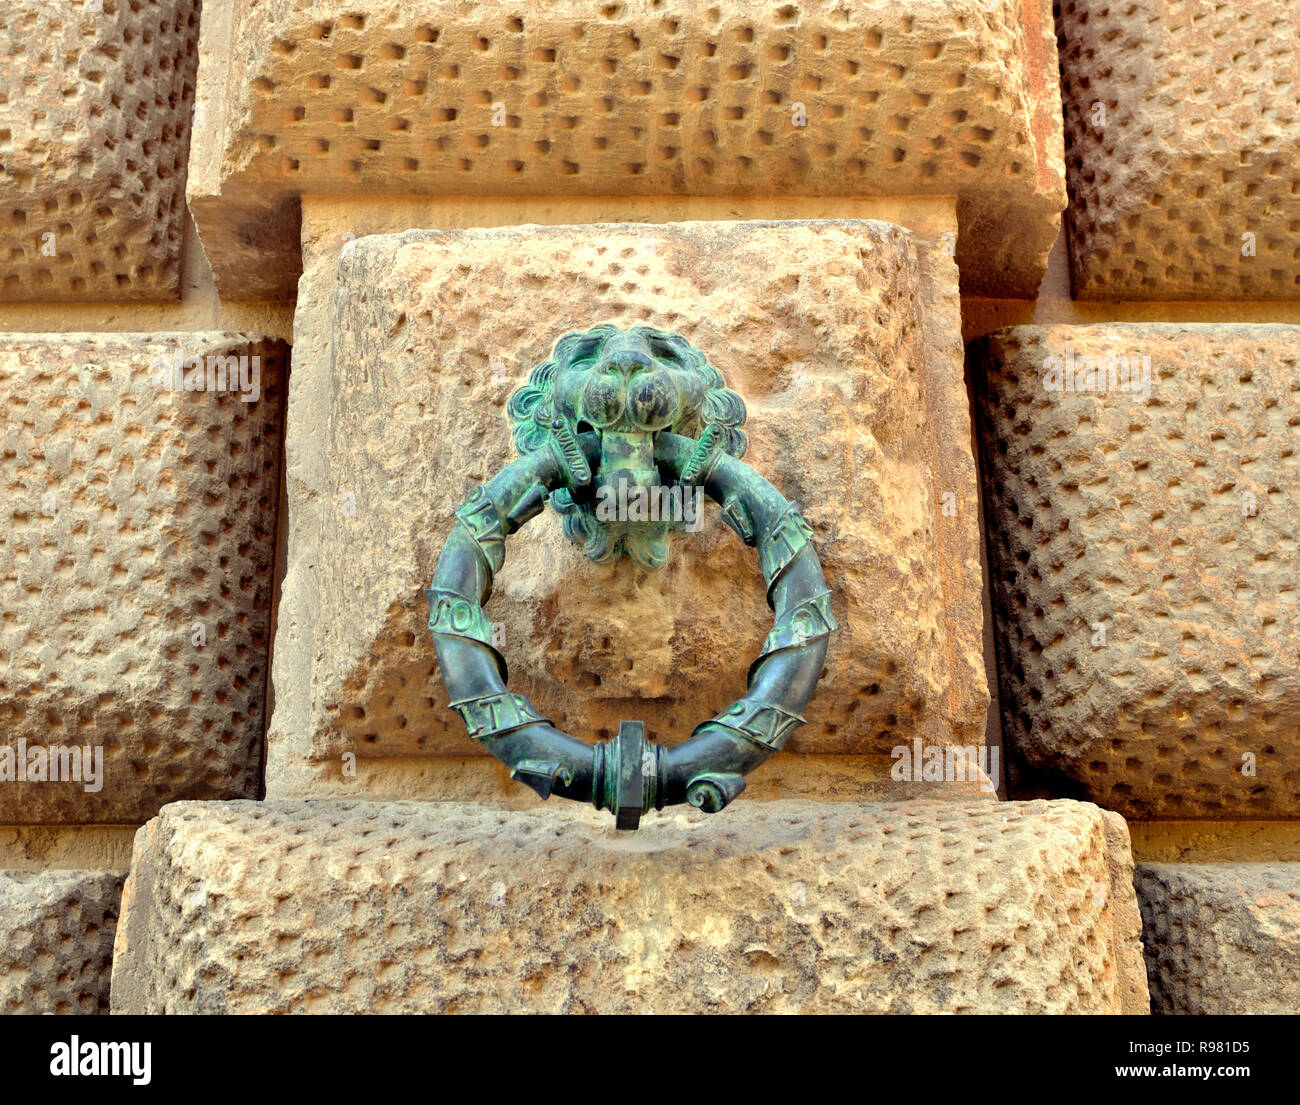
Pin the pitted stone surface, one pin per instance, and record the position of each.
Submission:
(840, 338)
(1182, 138)
(1221, 937)
(240, 907)
(928, 97)
(1142, 563)
(56, 942)
(135, 571)
(95, 110)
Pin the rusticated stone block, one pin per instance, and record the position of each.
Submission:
(135, 570)
(1142, 548)
(56, 943)
(95, 106)
(839, 336)
(1221, 937)
(928, 97)
(1182, 148)
(238, 907)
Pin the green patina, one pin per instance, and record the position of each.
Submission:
(617, 430)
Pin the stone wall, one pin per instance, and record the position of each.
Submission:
(1142, 541)
(888, 443)
(782, 907)
(94, 132)
(503, 97)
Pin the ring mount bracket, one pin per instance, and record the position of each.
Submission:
(629, 775)
(614, 414)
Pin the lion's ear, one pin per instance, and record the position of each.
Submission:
(543, 376)
(724, 409)
(527, 434)
(563, 351)
(724, 406)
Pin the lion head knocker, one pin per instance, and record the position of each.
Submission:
(614, 415)
(626, 386)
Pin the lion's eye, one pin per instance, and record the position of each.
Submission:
(663, 351)
(586, 351)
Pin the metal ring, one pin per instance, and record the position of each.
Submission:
(629, 775)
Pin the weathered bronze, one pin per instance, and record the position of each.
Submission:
(615, 413)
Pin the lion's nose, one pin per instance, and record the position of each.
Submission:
(626, 362)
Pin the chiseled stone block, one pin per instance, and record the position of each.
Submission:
(840, 336)
(1221, 937)
(56, 942)
(509, 97)
(1182, 148)
(1140, 494)
(240, 907)
(135, 570)
(95, 109)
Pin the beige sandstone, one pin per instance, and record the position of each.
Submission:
(56, 942)
(135, 571)
(980, 317)
(1142, 556)
(95, 109)
(66, 847)
(846, 355)
(328, 98)
(1214, 841)
(1181, 138)
(1221, 937)
(240, 907)
(198, 308)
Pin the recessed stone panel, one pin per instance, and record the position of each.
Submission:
(95, 110)
(1140, 492)
(136, 563)
(837, 336)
